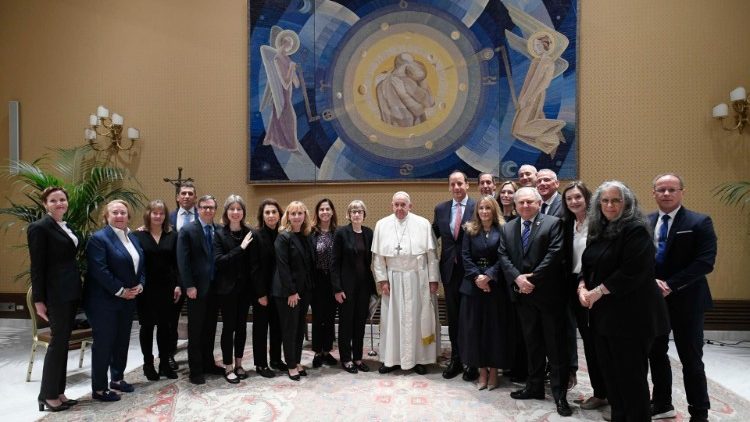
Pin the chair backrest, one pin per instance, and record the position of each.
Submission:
(35, 322)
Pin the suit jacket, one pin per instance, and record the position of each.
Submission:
(689, 256)
(555, 208)
(625, 265)
(294, 265)
(173, 216)
(450, 248)
(194, 259)
(479, 254)
(110, 268)
(542, 259)
(343, 267)
(262, 260)
(232, 263)
(54, 270)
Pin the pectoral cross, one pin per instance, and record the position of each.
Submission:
(398, 249)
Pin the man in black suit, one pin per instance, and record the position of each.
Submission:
(487, 184)
(527, 175)
(195, 260)
(447, 226)
(547, 185)
(685, 252)
(530, 255)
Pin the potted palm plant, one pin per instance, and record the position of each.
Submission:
(90, 180)
(734, 193)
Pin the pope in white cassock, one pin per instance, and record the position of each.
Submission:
(406, 266)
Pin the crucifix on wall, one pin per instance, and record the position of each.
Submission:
(178, 181)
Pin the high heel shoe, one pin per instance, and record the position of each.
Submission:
(294, 377)
(70, 402)
(43, 404)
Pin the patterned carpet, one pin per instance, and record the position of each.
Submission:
(330, 394)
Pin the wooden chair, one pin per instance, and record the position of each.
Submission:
(41, 335)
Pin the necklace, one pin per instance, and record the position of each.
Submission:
(400, 238)
(236, 235)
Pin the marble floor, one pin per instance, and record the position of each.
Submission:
(727, 360)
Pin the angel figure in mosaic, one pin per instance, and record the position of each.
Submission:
(281, 79)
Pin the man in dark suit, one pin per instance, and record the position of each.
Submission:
(527, 175)
(447, 226)
(195, 260)
(487, 184)
(530, 255)
(547, 185)
(685, 252)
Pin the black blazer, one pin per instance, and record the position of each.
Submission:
(543, 259)
(690, 255)
(450, 249)
(294, 265)
(193, 258)
(232, 262)
(343, 268)
(625, 265)
(555, 209)
(160, 265)
(478, 250)
(54, 270)
(262, 260)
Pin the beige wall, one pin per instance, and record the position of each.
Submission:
(649, 73)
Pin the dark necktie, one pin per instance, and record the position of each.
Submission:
(661, 244)
(208, 230)
(526, 235)
(544, 208)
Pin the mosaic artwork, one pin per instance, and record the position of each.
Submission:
(373, 90)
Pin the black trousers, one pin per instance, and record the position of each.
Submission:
(571, 339)
(687, 330)
(624, 365)
(234, 308)
(111, 333)
(175, 312)
(163, 321)
(519, 364)
(323, 313)
(352, 319)
(544, 331)
(293, 321)
(202, 315)
(265, 322)
(586, 328)
(452, 308)
(54, 374)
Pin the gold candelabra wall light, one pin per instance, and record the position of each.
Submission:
(740, 104)
(102, 124)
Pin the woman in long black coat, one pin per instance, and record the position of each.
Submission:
(353, 285)
(159, 244)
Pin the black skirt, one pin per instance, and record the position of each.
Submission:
(484, 329)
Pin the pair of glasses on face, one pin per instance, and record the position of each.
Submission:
(613, 201)
(662, 191)
(207, 207)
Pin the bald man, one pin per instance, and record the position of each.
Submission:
(527, 176)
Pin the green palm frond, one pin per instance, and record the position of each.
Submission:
(734, 193)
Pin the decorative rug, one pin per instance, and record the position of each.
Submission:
(331, 394)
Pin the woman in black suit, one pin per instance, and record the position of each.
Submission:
(627, 310)
(322, 302)
(505, 200)
(232, 284)
(159, 243)
(353, 285)
(56, 291)
(484, 319)
(263, 267)
(292, 282)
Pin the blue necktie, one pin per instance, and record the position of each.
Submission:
(525, 235)
(208, 230)
(661, 246)
(185, 218)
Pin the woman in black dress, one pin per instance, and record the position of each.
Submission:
(484, 318)
(232, 284)
(56, 291)
(159, 244)
(505, 200)
(265, 315)
(353, 283)
(627, 310)
(292, 282)
(322, 302)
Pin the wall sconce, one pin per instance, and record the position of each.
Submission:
(740, 104)
(101, 124)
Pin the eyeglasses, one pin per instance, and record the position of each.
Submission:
(662, 191)
(207, 207)
(613, 201)
(356, 212)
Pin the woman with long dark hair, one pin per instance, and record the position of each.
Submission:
(323, 303)
(505, 200)
(56, 291)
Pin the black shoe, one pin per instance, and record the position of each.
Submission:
(279, 365)
(302, 372)
(44, 405)
(214, 369)
(330, 360)
(317, 361)
(470, 374)
(265, 371)
(386, 369)
(662, 411)
(293, 377)
(454, 368)
(362, 367)
(173, 363)
(231, 379)
(420, 369)
(150, 372)
(70, 402)
(106, 395)
(563, 409)
(349, 367)
(197, 379)
(121, 386)
(240, 372)
(167, 371)
(525, 394)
